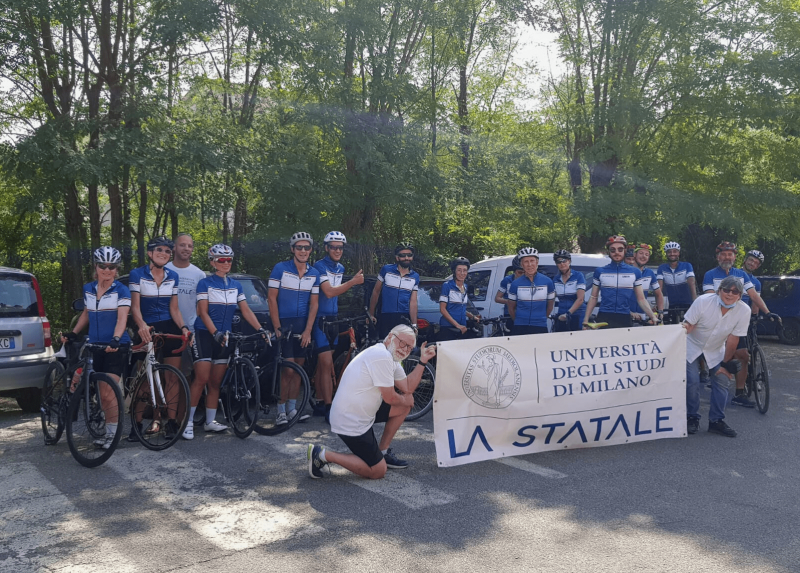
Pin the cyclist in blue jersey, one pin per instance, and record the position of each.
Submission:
(570, 289)
(399, 284)
(531, 297)
(453, 302)
(293, 300)
(106, 303)
(676, 278)
(331, 271)
(630, 256)
(642, 252)
(154, 303)
(619, 284)
(217, 299)
(501, 296)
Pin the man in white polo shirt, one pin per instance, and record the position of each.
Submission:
(714, 323)
(189, 276)
(367, 396)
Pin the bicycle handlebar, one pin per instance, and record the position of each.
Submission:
(141, 346)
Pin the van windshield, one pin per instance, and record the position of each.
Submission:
(17, 297)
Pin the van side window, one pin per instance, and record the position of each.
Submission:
(776, 289)
(478, 283)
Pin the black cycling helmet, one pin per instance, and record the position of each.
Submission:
(562, 255)
(629, 252)
(459, 261)
(405, 246)
(161, 241)
(516, 263)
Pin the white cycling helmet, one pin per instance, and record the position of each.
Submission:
(300, 236)
(756, 254)
(672, 245)
(219, 250)
(527, 252)
(108, 255)
(335, 236)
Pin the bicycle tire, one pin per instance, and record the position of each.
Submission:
(268, 411)
(339, 366)
(84, 428)
(423, 395)
(243, 397)
(53, 400)
(176, 399)
(761, 382)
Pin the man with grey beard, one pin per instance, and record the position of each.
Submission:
(374, 389)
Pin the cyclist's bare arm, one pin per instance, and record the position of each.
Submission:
(373, 300)
(412, 307)
(332, 291)
(643, 304)
(272, 303)
(500, 297)
(592, 303)
(692, 287)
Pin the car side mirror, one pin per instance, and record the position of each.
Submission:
(77, 305)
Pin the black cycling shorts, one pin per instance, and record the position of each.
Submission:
(615, 320)
(291, 346)
(111, 362)
(520, 329)
(366, 446)
(169, 344)
(205, 349)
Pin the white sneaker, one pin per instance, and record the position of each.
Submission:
(292, 414)
(188, 433)
(105, 442)
(215, 426)
(282, 419)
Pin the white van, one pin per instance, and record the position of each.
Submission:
(485, 276)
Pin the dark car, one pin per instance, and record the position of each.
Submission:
(782, 296)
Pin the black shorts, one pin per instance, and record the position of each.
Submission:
(168, 345)
(389, 320)
(111, 362)
(615, 320)
(291, 346)
(366, 446)
(204, 349)
(519, 329)
(742, 342)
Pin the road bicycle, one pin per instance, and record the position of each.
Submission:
(273, 390)
(159, 408)
(84, 411)
(757, 382)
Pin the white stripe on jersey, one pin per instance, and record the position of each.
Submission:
(148, 288)
(398, 282)
(617, 280)
(335, 279)
(109, 301)
(221, 296)
(673, 279)
(567, 289)
(291, 281)
(532, 294)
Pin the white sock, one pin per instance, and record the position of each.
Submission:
(322, 456)
(291, 405)
(111, 429)
(384, 451)
(191, 416)
(211, 413)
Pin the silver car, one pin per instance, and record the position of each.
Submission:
(25, 344)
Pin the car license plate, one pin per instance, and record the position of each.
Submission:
(6, 343)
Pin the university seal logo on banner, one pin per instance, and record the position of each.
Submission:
(493, 378)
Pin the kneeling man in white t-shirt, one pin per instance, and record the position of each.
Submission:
(367, 396)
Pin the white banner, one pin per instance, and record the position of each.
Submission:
(511, 396)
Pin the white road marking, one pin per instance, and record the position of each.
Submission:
(403, 489)
(40, 529)
(234, 519)
(531, 468)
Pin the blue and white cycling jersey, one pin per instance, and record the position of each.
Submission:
(649, 283)
(567, 292)
(223, 296)
(617, 282)
(154, 299)
(676, 283)
(713, 277)
(331, 273)
(103, 311)
(397, 289)
(531, 298)
(756, 285)
(456, 302)
(504, 284)
(294, 292)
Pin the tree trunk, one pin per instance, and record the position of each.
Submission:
(141, 224)
(72, 265)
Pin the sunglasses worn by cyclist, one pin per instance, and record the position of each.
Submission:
(163, 250)
(335, 248)
(405, 256)
(617, 250)
(106, 267)
(731, 291)
(302, 247)
(224, 260)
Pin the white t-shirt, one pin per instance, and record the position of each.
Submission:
(359, 395)
(187, 296)
(711, 329)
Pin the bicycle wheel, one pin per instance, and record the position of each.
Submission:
(162, 424)
(53, 418)
(243, 397)
(339, 366)
(86, 422)
(423, 395)
(268, 412)
(761, 382)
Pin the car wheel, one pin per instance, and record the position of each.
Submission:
(790, 332)
(29, 399)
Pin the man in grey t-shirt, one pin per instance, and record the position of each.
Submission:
(189, 276)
